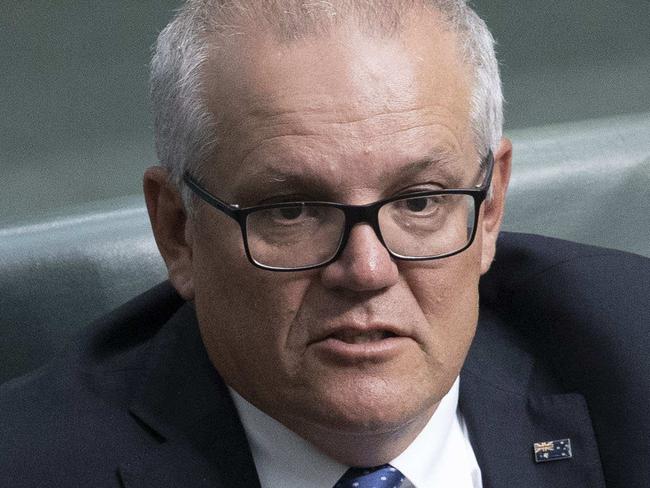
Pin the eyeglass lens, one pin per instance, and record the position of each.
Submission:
(308, 235)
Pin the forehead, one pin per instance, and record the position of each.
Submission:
(341, 104)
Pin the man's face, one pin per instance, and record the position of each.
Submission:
(348, 119)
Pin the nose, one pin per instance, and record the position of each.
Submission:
(364, 264)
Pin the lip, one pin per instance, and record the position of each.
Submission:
(356, 328)
(333, 348)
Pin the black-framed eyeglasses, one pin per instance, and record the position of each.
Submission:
(296, 236)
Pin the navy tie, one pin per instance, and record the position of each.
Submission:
(378, 477)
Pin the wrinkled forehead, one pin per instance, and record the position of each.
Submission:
(340, 93)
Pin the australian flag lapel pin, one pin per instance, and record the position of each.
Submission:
(552, 450)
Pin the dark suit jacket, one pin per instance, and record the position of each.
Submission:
(561, 352)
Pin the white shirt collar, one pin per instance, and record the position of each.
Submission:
(440, 455)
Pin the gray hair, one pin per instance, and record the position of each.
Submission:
(186, 132)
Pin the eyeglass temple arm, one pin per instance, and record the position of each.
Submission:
(230, 210)
(489, 161)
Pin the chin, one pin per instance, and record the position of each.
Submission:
(372, 406)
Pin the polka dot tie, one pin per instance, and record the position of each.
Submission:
(379, 477)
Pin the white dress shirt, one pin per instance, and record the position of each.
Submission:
(440, 456)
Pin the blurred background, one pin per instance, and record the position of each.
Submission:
(75, 118)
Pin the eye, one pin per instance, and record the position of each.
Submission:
(294, 215)
(417, 204)
(290, 213)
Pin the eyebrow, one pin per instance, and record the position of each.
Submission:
(440, 159)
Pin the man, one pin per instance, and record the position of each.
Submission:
(332, 186)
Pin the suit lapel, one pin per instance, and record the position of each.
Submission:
(196, 438)
(508, 407)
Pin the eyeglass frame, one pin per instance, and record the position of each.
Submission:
(354, 214)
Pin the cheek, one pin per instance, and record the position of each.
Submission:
(244, 311)
(448, 297)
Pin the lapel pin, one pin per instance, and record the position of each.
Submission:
(552, 450)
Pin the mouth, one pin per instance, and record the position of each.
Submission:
(350, 336)
(351, 345)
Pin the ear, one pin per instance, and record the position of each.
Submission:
(171, 228)
(493, 208)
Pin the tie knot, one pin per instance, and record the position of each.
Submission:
(384, 476)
